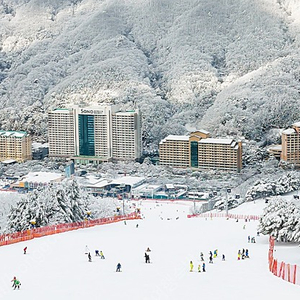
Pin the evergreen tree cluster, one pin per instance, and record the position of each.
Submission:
(271, 186)
(62, 203)
(281, 219)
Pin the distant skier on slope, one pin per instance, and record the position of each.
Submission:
(201, 256)
(16, 283)
(89, 257)
(203, 267)
(118, 269)
(25, 250)
(191, 266)
(102, 255)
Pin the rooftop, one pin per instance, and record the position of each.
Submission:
(216, 141)
(16, 134)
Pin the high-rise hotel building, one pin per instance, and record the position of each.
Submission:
(198, 150)
(15, 145)
(290, 145)
(95, 133)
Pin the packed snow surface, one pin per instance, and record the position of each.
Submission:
(56, 267)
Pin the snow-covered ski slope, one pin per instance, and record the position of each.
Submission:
(56, 267)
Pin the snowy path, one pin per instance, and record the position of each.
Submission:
(57, 268)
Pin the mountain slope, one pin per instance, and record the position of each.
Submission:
(228, 66)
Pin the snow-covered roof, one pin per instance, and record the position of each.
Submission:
(275, 147)
(16, 134)
(42, 177)
(216, 141)
(289, 131)
(297, 124)
(175, 138)
(170, 186)
(129, 180)
(36, 145)
(8, 161)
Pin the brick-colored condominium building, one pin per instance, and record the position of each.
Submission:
(15, 145)
(198, 150)
(290, 144)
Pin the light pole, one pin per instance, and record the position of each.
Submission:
(228, 191)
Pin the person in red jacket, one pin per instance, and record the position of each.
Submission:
(25, 249)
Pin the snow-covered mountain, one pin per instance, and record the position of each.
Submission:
(229, 66)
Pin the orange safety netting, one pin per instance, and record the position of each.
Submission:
(12, 238)
(281, 269)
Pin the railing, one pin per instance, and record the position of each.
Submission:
(281, 269)
(223, 215)
(16, 237)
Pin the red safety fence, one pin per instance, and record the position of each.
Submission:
(16, 237)
(223, 215)
(281, 269)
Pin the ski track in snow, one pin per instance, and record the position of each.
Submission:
(56, 267)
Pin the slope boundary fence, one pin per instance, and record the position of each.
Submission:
(223, 215)
(16, 237)
(281, 269)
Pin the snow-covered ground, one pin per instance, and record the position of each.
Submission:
(56, 267)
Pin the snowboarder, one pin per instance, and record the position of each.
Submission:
(201, 256)
(118, 267)
(102, 255)
(97, 252)
(203, 267)
(199, 268)
(191, 266)
(25, 249)
(223, 257)
(89, 257)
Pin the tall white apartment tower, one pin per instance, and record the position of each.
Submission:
(126, 135)
(95, 133)
(61, 133)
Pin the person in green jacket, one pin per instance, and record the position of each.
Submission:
(16, 283)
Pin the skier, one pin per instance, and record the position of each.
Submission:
(249, 238)
(201, 256)
(125, 222)
(13, 281)
(191, 266)
(16, 283)
(118, 267)
(199, 268)
(247, 253)
(97, 252)
(239, 254)
(203, 267)
(215, 253)
(25, 249)
(223, 257)
(102, 255)
(89, 257)
(243, 254)
(137, 225)
(147, 258)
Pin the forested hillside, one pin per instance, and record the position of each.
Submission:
(228, 66)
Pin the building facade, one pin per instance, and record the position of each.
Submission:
(61, 132)
(126, 135)
(97, 133)
(15, 145)
(198, 150)
(290, 145)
